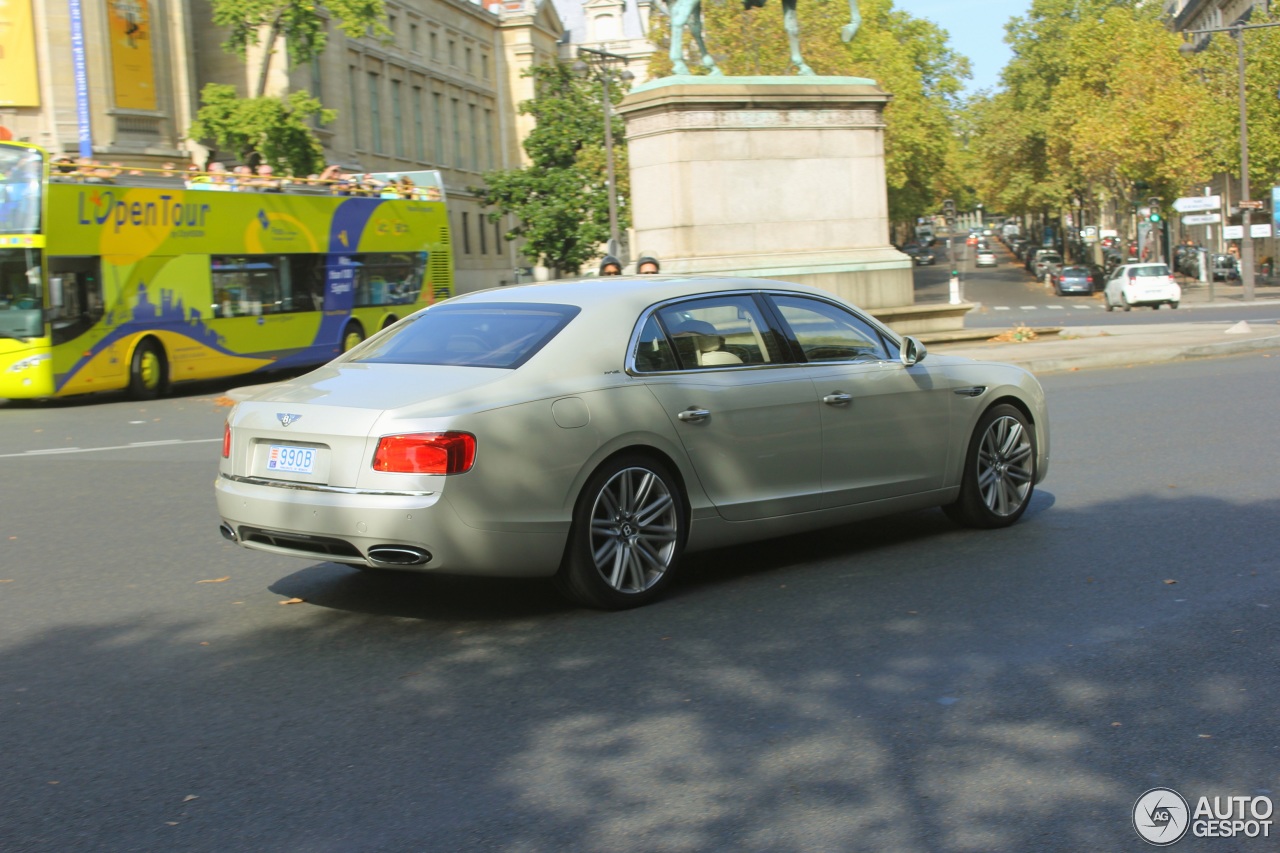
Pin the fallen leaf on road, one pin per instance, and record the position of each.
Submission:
(224, 401)
(1170, 581)
(292, 601)
(189, 797)
(1205, 736)
(215, 580)
(1117, 725)
(7, 580)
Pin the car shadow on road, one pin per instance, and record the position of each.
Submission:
(417, 595)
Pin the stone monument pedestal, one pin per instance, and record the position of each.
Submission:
(770, 177)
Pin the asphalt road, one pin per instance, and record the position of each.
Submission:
(897, 685)
(1008, 295)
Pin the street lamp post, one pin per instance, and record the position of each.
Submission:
(603, 65)
(1246, 240)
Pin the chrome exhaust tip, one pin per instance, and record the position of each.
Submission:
(228, 532)
(398, 556)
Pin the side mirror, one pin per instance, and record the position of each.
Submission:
(913, 351)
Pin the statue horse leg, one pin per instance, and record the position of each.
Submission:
(792, 25)
(849, 30)
(688, 13)
(695, 29)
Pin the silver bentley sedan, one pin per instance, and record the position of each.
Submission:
(594, 432)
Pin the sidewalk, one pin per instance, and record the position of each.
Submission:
(1078, 347)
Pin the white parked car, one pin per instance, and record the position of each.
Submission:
(985, 258)
(1141, 284)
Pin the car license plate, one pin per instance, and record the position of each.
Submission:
(291, 460)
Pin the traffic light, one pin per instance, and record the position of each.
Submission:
(1154, 204)
(1155, 216)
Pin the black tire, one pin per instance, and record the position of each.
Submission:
(999, 471)
(352, 335)
(1124, 300)
(1173, 305)
(629, 529)
(1107, 301)
(148, 371)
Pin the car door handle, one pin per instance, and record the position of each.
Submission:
(972, 391)
(839, 398)
(694, 415)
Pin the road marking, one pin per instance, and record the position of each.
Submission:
(1029, 307)
(56, 451)
(1056, 307)
(1002, 308)
(1084, 307)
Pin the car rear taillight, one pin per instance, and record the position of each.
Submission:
(1062, 279)
(1089, 279)
(426, 453)
(226, 440)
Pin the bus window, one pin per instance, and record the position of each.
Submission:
(20, 296)
(75, 296)
(304, 286)
(389, 278)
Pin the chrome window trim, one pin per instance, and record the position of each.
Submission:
(316, 487)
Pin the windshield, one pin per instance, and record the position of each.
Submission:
(20, 299)
(21, 173)
(490, 335)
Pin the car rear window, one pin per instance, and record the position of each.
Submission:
(1149, 271)
(494, 334)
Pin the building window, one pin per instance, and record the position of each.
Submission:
(397, 119)
(437, 115)
(484, 240)
(434, 41)
(413, 37)
(497, 238)
(488, 140)
(467, 54)
(352, 74)
(391, 25)
(471, 131)
(459, 159)
(419, 132)
(484, 65)
(375, 113)
(466, 233)
(453, 53)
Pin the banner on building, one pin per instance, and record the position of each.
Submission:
(19, 83)
(133, 74)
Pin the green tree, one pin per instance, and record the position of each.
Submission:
(562, 197)
(908, 56)
(297, 20)
(276, 131)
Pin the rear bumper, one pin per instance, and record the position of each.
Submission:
(343, 528)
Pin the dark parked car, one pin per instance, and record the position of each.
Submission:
(1077, 279)
(925, 257)
(1224, 268)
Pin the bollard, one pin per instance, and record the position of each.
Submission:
(955, 287)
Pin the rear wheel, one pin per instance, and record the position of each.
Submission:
(627, 536)
(999, 471)
(352, 335)
(148, 372)
(1124, 300)
(1173, 305)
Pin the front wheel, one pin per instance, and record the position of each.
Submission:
(1173, 305)
(999, 471)
(627, 536)
(147, 371)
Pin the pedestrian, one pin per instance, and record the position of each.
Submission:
(648, 265)
(610, 266)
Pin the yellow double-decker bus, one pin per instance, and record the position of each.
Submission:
(115, 281)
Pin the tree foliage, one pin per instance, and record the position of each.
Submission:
(271, 130)
(298, 21)
(909, 57)
(1098, 107)
(562, 197)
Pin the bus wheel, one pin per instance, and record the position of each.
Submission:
(390, 321)
(351, 336)
(147, 371)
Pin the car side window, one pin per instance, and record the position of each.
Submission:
(718, 331)
(653, 350)
(827, 332)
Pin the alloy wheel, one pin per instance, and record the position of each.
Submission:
(1005, 466)
(634, 530)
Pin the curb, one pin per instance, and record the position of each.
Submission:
(1122, 358)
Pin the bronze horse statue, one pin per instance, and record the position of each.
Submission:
(688, 13)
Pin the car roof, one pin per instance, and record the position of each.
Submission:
(629, 293)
